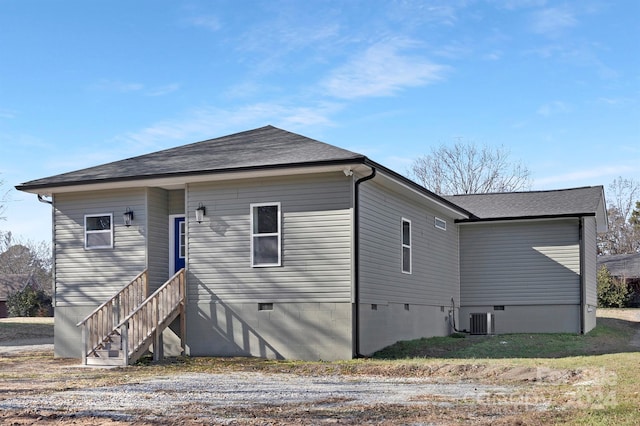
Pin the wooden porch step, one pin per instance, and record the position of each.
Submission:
(116, 362)
(147, 319)
(106, 357)
(108, 353)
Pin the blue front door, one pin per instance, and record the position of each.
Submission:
(179, 243)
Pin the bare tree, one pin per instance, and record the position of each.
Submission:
(466, 168)
(26, 257)
(623, 235)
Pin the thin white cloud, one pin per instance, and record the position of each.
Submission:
(553, 108)
(286, 45)
(382, 70)
(517, 4)
(209, 22)
(445, 13)
(576, 53)
(615, 101)
(582, 176)
(163, 90)
(398, 163)
(410, 13)
(454, 50)
(493, 56)
(205, 123)
(553, 21)
(5, 113)
(130, 87)
(117, 86)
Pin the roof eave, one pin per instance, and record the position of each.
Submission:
(445, 204)
(190, 176)
(524, 218)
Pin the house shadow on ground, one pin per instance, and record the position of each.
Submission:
(611, 335)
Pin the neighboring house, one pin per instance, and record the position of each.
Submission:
(298, 249)
(11, 284)
(625, 267)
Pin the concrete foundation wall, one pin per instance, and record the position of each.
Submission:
(67, 338)
(307, 331)
(528, 319)
(589, 318)
(383, 325)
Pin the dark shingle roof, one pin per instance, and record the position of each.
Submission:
(269, 147)
(622, 265)
(564, 202)
(264, 147)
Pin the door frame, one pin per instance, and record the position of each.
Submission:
(172, 241)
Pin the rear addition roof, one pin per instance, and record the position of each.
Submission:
(265, 147)
(585, 201)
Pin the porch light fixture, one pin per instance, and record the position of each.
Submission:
(127, 217)
(200, 212)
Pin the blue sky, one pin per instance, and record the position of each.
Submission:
(84, 83)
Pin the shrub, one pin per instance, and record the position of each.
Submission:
(29, 303)
(612, 292)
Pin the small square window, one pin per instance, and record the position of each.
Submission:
(98, 231)
(440, 223)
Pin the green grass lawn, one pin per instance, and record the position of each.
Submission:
(610, 336)
(606, 350)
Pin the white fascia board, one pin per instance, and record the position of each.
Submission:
(177, 182)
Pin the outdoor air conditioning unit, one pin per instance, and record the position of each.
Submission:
(482, 323)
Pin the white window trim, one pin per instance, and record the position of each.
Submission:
(109, 231)
(437, 220)
(403, 246)
(278, 234)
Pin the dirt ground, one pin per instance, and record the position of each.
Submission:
(36, 388)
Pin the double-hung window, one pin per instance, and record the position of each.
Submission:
(406, 246)
(98, 231)
(265, 235)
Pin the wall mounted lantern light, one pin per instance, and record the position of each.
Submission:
(200, 212)
(127, 217)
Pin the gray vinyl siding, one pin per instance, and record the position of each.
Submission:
(89, 277)
(590, 260)
(176, 201)
(435, 275)
(523, 263)
(158, 235)
(316, 240)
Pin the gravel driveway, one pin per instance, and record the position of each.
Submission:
(26, 345)
(58, 392)
(214, 394)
